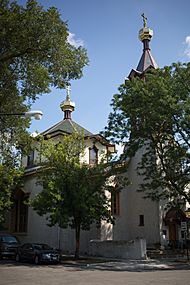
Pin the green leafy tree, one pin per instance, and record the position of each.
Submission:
(14, 142)
(34, 51)
(35, 56)
(154, 115)
(9, 177)
(73, 194)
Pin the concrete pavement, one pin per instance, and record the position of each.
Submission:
(134, 265)
(129, 265)
(119, 265)
(96, 272)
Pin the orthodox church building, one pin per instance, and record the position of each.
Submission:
(135, 217)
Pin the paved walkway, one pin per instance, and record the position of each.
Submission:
(89, 263)
(129, 265)
(106, 273)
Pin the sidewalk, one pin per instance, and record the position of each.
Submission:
(134, 265)
(94, 263)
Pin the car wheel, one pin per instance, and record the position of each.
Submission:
(36, 259)
(17, 257)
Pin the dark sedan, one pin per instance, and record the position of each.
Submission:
(37, 253)
(8, 245)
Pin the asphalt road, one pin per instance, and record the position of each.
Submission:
(12, 273)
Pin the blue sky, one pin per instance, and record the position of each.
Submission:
(108, 29)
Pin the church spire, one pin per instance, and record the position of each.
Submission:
(145, 36)
(147, 61)
(67, 106)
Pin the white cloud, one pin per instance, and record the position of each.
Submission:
(73, 41)
(187, 50)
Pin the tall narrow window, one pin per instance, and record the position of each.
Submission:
(141, 220)
(19, 215)
(115, 203)
(30, 159)
(93, 155)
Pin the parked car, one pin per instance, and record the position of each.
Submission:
(37, 253)
(8, 245)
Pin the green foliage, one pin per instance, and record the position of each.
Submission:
(73, 193)
(13, 142)
(154, 115)
(34, 56)
(9, 178)
(35, 53)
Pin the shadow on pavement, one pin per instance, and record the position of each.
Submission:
(102, 265)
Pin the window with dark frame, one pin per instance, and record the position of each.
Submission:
(30, 159)
(19, 213)
(115, 203)
(93, 155)
(141, 220)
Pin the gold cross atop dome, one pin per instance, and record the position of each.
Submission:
(145, 33)
(67, 106)
(144, 20)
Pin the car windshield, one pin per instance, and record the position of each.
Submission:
(9, 239)
(42, 246)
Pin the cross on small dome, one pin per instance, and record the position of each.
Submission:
(67, 106)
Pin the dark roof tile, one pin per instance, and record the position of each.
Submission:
(66, 126)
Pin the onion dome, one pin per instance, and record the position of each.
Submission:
(67, 106)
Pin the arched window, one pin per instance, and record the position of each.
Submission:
(30, 159)
(19, 213)
(93, 155)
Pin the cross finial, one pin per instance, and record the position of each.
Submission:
(144, 20)
(67, 106)
(68, 89)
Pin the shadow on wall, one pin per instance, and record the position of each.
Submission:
(134, 249)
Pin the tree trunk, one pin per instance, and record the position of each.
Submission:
(77, 239)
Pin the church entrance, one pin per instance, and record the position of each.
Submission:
(173, 234)
(173, 219)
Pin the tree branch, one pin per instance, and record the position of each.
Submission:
(10, 55)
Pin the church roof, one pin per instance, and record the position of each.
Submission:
(66, 126)
(146, 61)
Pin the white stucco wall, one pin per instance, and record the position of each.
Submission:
(39, 231)
(134, 249)
(126, 227)
(132, 205)
(89, 143)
